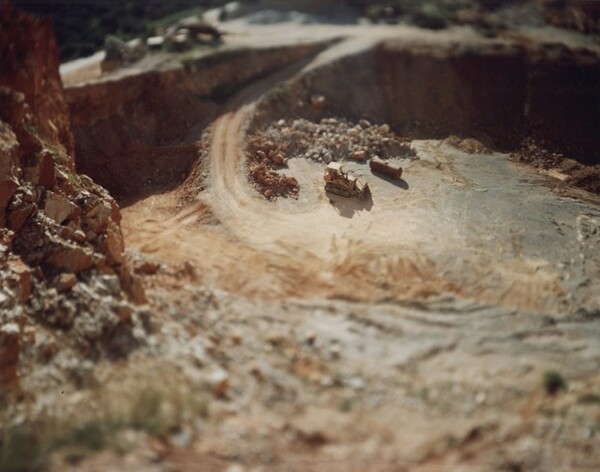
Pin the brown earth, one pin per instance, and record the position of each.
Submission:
(62, 247)
(447, 323)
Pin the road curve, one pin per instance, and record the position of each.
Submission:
(260, 223)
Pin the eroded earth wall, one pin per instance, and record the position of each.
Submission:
(140, 131)
(498, 93)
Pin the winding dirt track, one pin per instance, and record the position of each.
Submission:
(260, 223)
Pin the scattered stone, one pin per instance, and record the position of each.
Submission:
(199, 354)
(275, 338)
(147, 267)
(22, 278)
(78, 236)
(310, 337)
(236, 337)
(219, 383)
(182, 438)
(124, 311)
(311, 431)
(468, 145)
(65, 282)
(318, 101)
(235, 468)
(110, 284)
(47, 171)
(148, 321)
(360, 155)
(114, 245)
(257, 372)
(72, 259)
(136, 290)
(18, 217)
(46, 349)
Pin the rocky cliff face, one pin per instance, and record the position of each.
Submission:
(61, 247)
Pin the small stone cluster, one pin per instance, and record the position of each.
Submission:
(264, 157)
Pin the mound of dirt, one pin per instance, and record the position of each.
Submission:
(468, 145)
(576, 174)
(533, 154)
(586, 178)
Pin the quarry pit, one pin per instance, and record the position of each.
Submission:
(408, 331)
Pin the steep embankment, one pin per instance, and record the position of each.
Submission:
(61, 246)
(500, 93)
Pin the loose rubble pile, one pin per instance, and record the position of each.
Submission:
(574, 173)
(264, 157)
(332, 139)
(62, 262)
(335, 139)
(468, 145)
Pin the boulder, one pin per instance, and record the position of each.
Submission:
(21, 277)
(58, 207)
(65, 282)
(113, 244)
(18, 217)
(9, 358)
(71, 258)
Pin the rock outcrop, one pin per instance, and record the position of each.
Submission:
(58, 229)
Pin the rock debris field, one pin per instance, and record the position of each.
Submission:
(216, 309)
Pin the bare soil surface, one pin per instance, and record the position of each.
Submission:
(448, 322)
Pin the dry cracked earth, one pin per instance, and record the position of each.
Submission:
(448, 322)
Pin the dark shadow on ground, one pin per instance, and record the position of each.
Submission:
(401, 183)
(348, 207)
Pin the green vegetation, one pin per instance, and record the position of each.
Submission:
(345, 405)
(82, 26)
(155, 411)
(23, 449)
(554, 382)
